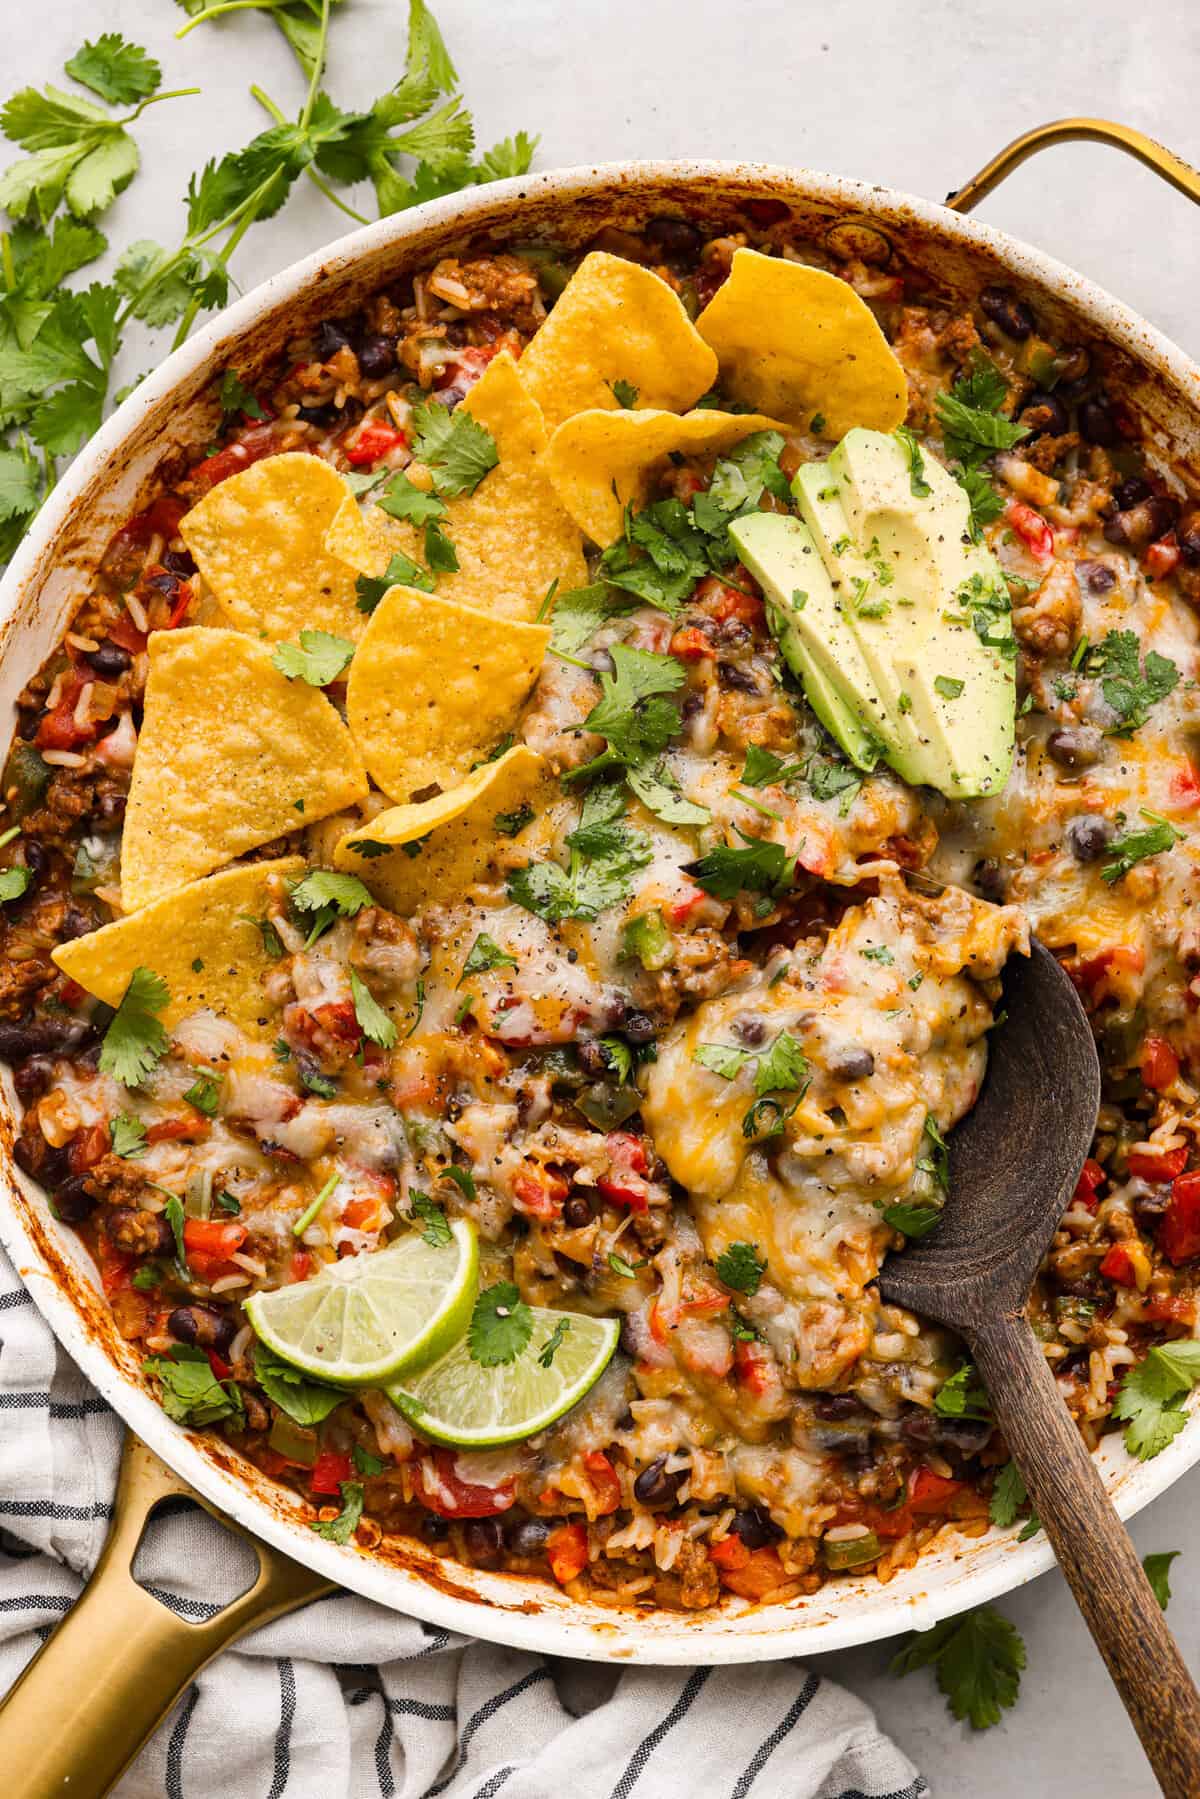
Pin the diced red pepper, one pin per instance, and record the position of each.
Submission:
(677, 911)
(439, 1488)
(567, 1551)
(180, 609)
(1160, 1064)
(1162, 558)
(126, 634)
(58, 729)
(1091, 1178)
(1118, 1265)
(691, 644)
(178, 1130)
(252, 446)
(88, 1147)
(1031, 528)
(1157, 1164)
(623, 1183)
(329, 1470)
(540, 1195)
(730, 1553)
(373, 443)
(1179, 1232)
(722, 601)
(929, 1492)
(753, 1367)
(220, 1367)
(603, 1477)
(116, 1268)
(212, 1236)
(759, 1575)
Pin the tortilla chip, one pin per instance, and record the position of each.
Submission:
(203, 941)
(511, 536)
(798, 342)
(600, 461)
(434, 687)
(231, 754)
(615, 321)
(259, 541)
(465, 841)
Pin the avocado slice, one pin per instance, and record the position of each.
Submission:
(805, 619)
(927, 608)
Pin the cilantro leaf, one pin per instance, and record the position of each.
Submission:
(761, 867)
(128, 1136)
(501, 1326)
(587, 887)
(463, 1179)
(14, 882)
(962, 1396)
(579, 614)
(979, 1658)
(624, 393)
(401, 571)
(440, 553)
(915, 1221)
(272, 946)
(365, 1462)
(1150, 1399)
(80, 153)
(375, 1023)
(236, 397)
(553, 1343)
(632, 713)
(1008, 1496)
(764, 769)
(722, 1059)
(741, 1267)
(970, 431)
(118, 71)
(660, 793)
(325, 887)
(320, 658)
(455, 448)
(437, 1232)
(191, 1392)
(1128, 688)
(161, 285)
(914, 456)
(508, 157)
(135, 1041)
(626, 1270)
(401, 499)
(1123, 853)
(485, 953)
(784, 1068)
(1158, 1572)
(343, 1527)
(306, 1401)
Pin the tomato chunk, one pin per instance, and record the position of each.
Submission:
(373, 443)
(1162, 558)
(567, 1550)
(1160, 1064)
(1128, 1265)
(1157, 1164)
(1091, 1178)
(603, 1477)
(1031, 528)
(441, 1490)
(1179, 1232)
(252, 446)
(929, 1492)
(329, 1470)
(212, 1237)
(623, 1183)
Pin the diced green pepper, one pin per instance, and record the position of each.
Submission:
(293, 1440)
(1042, 361)
(608, 1107)
(647, 940)
(26, 778)
(851, 1552)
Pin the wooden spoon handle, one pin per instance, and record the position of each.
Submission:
(1094, 1552)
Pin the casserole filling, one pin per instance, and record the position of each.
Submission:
(647, 997)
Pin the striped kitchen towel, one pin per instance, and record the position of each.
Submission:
(347, 1699)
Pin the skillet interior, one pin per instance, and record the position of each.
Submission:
(174, 409)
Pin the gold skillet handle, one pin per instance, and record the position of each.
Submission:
(112, 1670)
(1164, 162)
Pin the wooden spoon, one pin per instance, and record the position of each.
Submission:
(1014, 1162)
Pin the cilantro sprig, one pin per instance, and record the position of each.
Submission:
(501, 1326)
(1151, 1396)
(135, 1041)
(979, 1658)
(1129, 685)
(973, 429)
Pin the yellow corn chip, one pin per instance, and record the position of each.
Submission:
(203, 941)
(511, 536)
(231, 754)
(615, 321)
(434, 686)
(797, 342)
(259, 541)
(600, 461)
(465, 842)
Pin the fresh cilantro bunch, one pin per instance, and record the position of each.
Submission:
(59, 345)
(973, 429)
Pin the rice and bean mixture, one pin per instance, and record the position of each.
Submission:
(767, 1422)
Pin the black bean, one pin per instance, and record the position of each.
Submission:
(31, 1078)
(577, 1211)
(747, 1028)
(674, 238)
(527, 1536)
(37, 857)
(434, 1528)
(1088, 837)
(756, 1527)
(320, 416)
(654, 1486)
(36, 1158)
(203, 1326)
(592, 1058)
(629, 1338)
(918, 1427)
(1098, 576)
(834, 1407)
(330, 339)
(1142, 523)
(1075, 746)
(1004, 309)
(1188, 535)
(967, 1435)
(38, 1035)
(1130, 491)
(483, 1541)
(639, 1027)
(852, 1064)
(990, 881)
(1096, 423)
(693, 703)
(842, 1439)
(1044, 412)
(72, 1201)
(110, 660)
(377, 356)
(76, 923)
(734, 679)
(180, 563)
(143, 1233)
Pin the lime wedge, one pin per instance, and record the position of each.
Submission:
(363, 1320)
(459, 1402)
